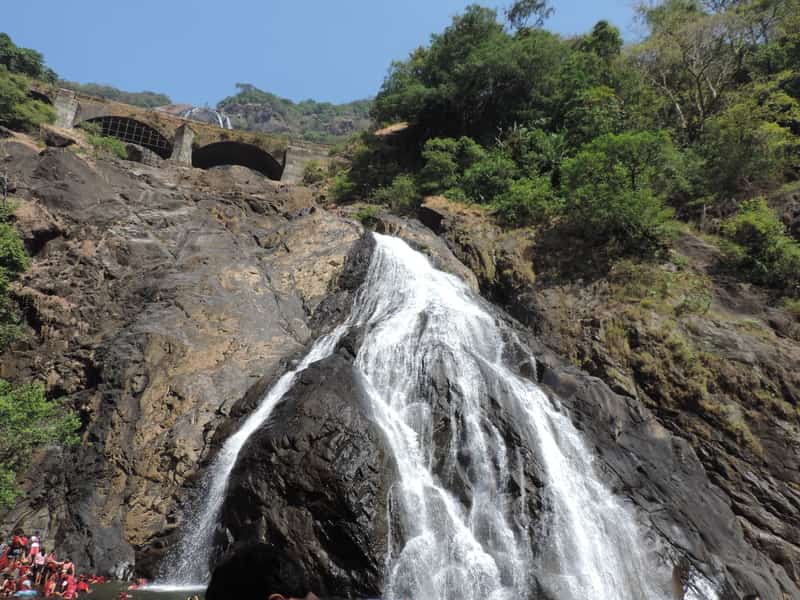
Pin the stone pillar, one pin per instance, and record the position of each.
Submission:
(66, 106)
(297, 156)
(182, 145)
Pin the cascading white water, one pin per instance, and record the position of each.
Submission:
(188, 566)
(223, 120)
(419, 322)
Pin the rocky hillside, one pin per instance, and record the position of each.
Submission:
(255, 110)
(163, 302)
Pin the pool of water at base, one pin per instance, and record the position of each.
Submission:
(110, 591)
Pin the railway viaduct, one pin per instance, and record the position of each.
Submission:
(184, 141)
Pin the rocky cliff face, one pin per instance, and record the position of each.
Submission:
(163, 302)
(156, 299)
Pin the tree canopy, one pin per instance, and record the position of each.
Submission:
(24, 61)
(611, 140)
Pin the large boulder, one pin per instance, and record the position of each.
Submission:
(305, 509)
(56, 137)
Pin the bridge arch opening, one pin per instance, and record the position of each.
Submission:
(132, 131)
(237, 153)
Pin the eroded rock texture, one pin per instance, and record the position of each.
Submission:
(156, 299)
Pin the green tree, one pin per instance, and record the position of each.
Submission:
(446, 161)
(528, 201)
(24, 61)
(616, 187)
(761, 248)
(28, 422)
(536, 151)
(489, 178)
(604, 40)
(474, 79)
(402, 195)
(692, 58)
(594, 112)
(750, 147)
(522, 12)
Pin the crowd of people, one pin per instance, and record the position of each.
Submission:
(28, 570)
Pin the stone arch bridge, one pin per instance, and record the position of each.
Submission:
(184, 141)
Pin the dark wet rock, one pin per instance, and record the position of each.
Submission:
(306, 504)
(662, 475)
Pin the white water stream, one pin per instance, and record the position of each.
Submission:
(223, 120)
(420, 323)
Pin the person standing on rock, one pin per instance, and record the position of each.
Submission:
(68, 567)
(71, 592)
(38, 567)
(35, 545)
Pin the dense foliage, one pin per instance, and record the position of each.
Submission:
(18, 110)
(28, 421)
(144, 99)
(611, 141)
(13, 260)
(24, 61)
(19, 67)
(761, 248)
(314, 121)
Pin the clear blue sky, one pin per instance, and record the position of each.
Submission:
(196, 50)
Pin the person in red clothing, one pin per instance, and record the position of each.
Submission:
(83, 585)
(71, 588)
(9, 586)
(50, 586)
(23, 542)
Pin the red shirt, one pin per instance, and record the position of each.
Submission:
(72, 587)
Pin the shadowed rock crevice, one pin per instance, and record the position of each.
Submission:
(237, 153)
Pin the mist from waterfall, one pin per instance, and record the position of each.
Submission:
(471, 541)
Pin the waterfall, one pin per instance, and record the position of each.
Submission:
(223, 120)
(188, 566)
(418, 324)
